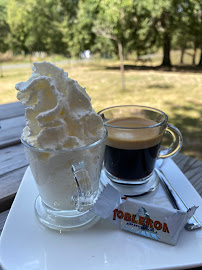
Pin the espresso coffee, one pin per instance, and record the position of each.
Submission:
(132, 148)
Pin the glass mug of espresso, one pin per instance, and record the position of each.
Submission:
(133, 144)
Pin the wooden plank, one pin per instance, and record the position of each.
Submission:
(192, 169)
(13, 164)
(11, 130)
(12, 158)
(11, 110)
(3, 217)
(9, 184)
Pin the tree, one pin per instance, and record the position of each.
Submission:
(115, 26)
(4, 31)
(164, 15)
(77, 26)
(82, 36)
(68, 13)
(111, 22)
(4, 27)
(182, 38)
(34, 26)
(166, 21)
(108, 25)
(194, 9)
(188, 32)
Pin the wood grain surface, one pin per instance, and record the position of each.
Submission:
(192, 169)
(11, 110)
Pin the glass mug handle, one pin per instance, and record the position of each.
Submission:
(84, 198)
(175, 145)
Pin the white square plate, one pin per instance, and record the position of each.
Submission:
(27, 245)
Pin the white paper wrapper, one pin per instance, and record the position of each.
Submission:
(142, 218)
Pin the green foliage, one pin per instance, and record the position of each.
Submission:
(66, 26)
(34, 26)
(113, 20)
(189, 28)
(71, 26)
(4, 27)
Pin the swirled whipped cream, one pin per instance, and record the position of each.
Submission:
(59, 114)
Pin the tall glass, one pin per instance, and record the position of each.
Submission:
(133, 145)
(68, 184)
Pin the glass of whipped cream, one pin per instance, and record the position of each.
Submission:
(64, 140)
(68, 184)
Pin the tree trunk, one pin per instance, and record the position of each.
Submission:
(182, 56)
(126, 54)
(166, 50)
(1, 69)
(200, 61)
(194, 56)
(120, 48)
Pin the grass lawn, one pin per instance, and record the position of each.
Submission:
(177, 93)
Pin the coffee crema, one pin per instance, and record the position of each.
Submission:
(131, 153)
(135, 136)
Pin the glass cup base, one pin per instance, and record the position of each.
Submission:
(135, 189)
(128, 182)
(64, 220)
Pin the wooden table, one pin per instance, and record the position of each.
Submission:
(13, 163)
